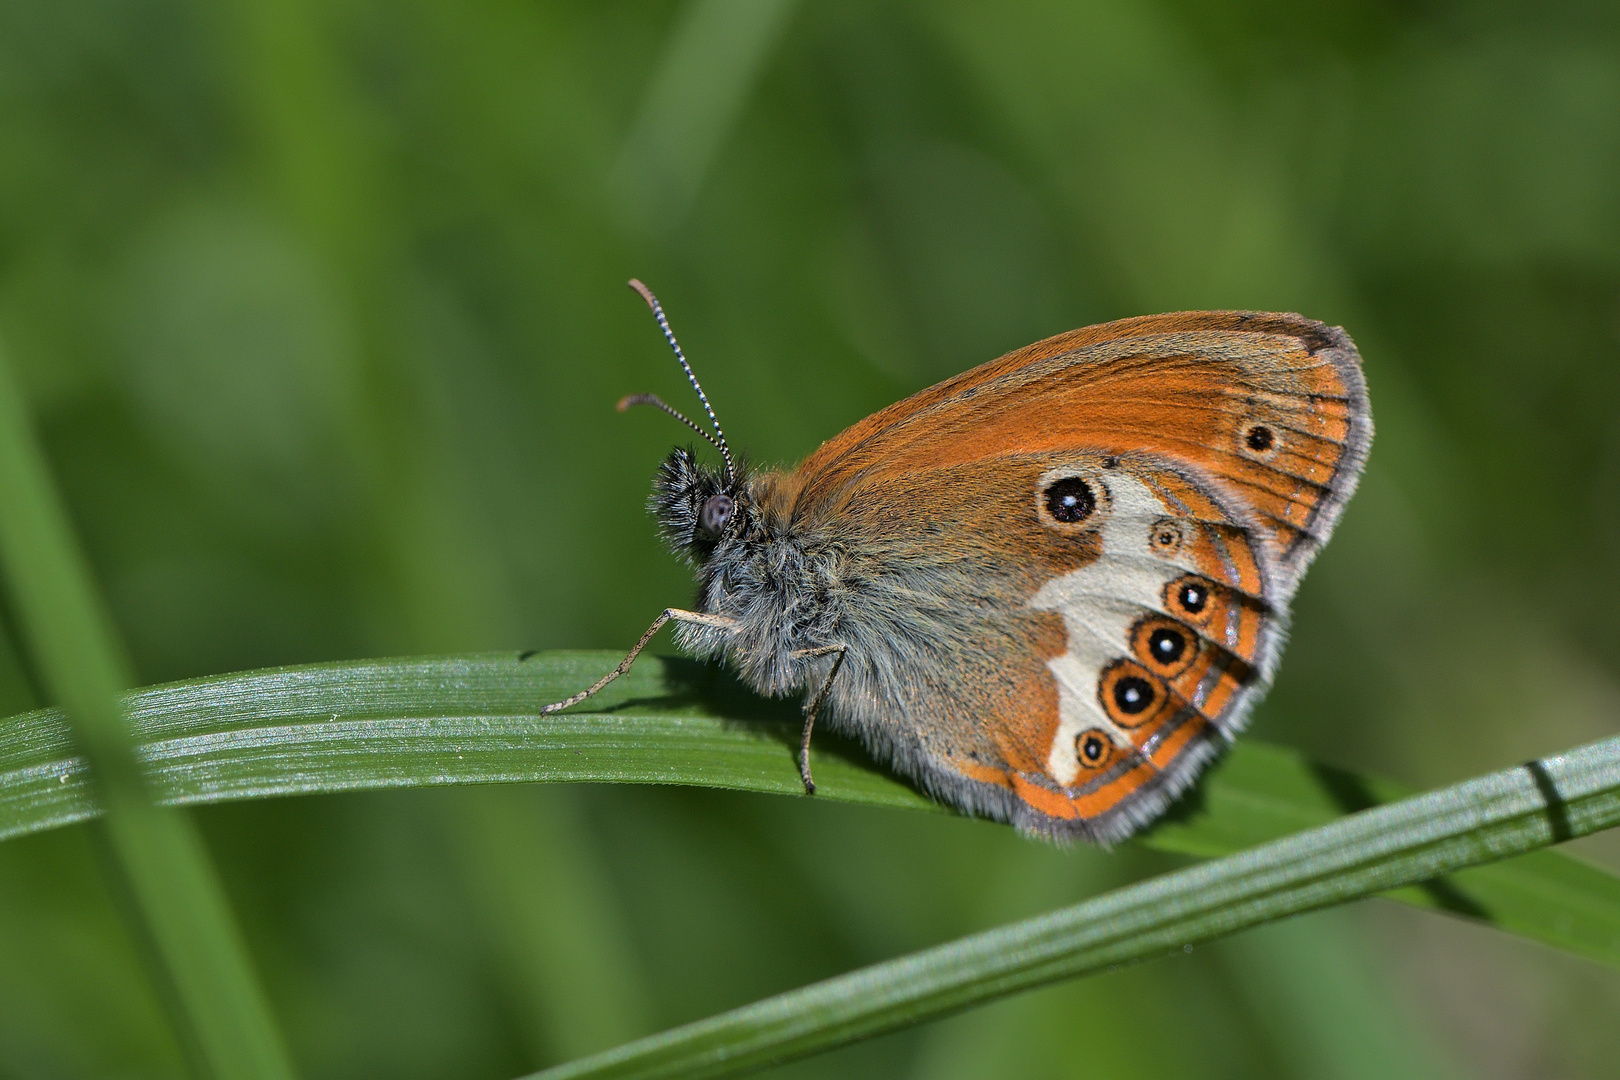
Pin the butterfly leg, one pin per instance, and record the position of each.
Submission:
(812, 706)
(624, 665)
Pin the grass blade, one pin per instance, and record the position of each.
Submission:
(715, 55)
(465, 720)
(176, 902)
(1265, 792)
(1469, 824)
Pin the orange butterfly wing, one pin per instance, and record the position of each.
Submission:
(1073, 679)
(1274, 406)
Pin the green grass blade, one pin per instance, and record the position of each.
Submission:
(464, 720)
(176, 902)
(1469, 824)
(1263, 792)
(715, 55)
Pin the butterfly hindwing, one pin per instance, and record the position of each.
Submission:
(1070, 675)
(1170, 637)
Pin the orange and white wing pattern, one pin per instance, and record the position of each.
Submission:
(1171, 635)
(1154, 489)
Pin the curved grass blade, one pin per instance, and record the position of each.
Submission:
(710, 66)
(1469, 824)
(1263, 792)
(469, 719)
(428, 722)
(174, 901)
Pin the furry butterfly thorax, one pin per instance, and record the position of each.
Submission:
(788, 587)
(1048, 590)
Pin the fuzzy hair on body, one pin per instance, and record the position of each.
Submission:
(794, 587)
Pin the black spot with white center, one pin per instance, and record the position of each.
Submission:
(1166, 645)
(1260, 439)
(1133, 694)
(1092, 748)
(1193, 597)
(1070, 500)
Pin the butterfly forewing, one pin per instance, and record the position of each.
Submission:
(1272, 405)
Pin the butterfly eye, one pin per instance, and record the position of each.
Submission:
(1093, 748)
(1070, 500)
(716, 511)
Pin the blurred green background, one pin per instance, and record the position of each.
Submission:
(321, 310)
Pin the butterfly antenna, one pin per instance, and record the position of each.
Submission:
(669, 335)
(655, 400)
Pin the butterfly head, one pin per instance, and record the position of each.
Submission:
(698, 506)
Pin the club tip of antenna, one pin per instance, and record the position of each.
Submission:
(630, 400)
(646, 293)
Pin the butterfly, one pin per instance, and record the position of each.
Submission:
(1049, 590)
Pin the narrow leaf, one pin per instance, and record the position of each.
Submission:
(464, 720)
(1414, 840)
(177, 903)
